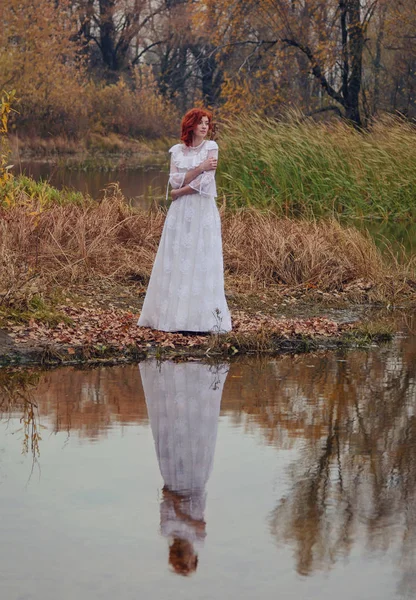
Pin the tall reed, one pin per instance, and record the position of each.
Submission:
(301, 168)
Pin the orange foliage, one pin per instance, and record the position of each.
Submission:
(277, 54)
(39, 59)
(42, 58)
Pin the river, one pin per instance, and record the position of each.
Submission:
(285, 478)
(141, 186)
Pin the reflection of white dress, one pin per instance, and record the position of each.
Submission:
(186, 287)
(183, 403)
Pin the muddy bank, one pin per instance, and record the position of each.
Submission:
(123, 342)
(59, 355)
(98, 324)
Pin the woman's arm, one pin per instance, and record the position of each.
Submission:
(209, 164)
(178, 180)
(194, 180)
(204, 184)
(183, 191)
(199, 177)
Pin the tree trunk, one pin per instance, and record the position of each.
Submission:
(211, 76)
(356, 45)
(352, 45)
(108, 34)
(344, 45)
(209, 93)
(377, 61)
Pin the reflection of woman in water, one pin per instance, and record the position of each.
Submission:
(183, 403)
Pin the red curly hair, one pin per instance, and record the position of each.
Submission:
(191, 119)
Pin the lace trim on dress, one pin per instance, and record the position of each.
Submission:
(189, 158)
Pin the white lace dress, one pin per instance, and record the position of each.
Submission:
(186, 287)
(183, 403)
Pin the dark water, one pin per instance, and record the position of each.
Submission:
(287, 478)
(142, 186)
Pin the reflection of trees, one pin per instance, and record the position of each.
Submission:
(87, 402)
(356, 475)
(91, 402)
(16, 398)
(352, 417)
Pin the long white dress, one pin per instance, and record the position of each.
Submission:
(186, 287)
(183, 403)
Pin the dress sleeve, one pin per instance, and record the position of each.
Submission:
(205, 183)
(175, 177)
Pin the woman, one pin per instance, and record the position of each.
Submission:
(186, 287)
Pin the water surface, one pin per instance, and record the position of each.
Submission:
(141, 186)
(290, 478)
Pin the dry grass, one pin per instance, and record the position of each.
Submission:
(71, 244)
(316, 254)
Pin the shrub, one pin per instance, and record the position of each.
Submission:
(134, 110)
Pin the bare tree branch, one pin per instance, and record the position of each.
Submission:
(316, 70)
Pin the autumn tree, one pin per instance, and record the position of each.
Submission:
(346, 38)
(395, 58)
(122, 30)
(39, 60)
(186, 61)
(354, 58)
(346, 56)
(330, 35)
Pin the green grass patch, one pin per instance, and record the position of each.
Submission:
(36, 308)
(301, 168)
(369, 333)
(25, 190)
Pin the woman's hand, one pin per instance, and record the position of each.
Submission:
(175, 194)
(209, 164)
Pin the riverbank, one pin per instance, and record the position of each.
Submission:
(99, 325)
(93, 152)
(74, 277)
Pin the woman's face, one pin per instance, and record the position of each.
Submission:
(202, 128)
